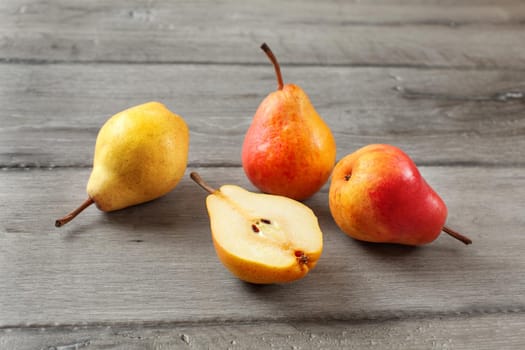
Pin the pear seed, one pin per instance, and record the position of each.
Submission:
(255, 228)
(301, 257)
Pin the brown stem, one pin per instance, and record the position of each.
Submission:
(457, 235)
(272, 58)
(71, 216)
(198, 179)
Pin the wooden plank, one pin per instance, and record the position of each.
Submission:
(477, 332)
(460, 34)
(155, 262)
(51, 113)
(441, 79)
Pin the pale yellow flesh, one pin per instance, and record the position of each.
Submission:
(275, 251)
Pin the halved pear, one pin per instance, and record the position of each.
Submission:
(262, 238)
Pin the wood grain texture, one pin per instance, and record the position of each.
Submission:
(156, 262)
(398, 33)
(443, 79)
(51, 113)
(477, 333)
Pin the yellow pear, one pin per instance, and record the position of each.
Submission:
(262, 238)
(140, 154)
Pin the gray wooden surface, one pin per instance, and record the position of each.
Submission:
(444, 80)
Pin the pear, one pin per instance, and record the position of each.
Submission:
(262, 238)
(288, 149)
(140, 154)
(377, 194)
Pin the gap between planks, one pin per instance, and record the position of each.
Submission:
(38, 61)
(430, 164)
(394, 315)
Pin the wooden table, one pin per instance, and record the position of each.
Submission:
(443, 80)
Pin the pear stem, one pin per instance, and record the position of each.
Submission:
(275, 63)
(457, 235)
(198, 179)
(74, 213)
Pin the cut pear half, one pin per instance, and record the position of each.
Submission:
(262, 238)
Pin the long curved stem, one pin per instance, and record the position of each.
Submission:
(198, 179)
(457, 235)
(62, 221)
(275, 63)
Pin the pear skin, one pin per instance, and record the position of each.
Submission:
(288, 149)
(377, 194)
(140, 155)
(262, 238)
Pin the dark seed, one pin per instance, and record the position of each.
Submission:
(301, 257)
(255, 228)
(266, 221)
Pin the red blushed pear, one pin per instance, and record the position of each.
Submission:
(288, 149)
(378, 195)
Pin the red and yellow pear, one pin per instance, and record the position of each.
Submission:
(377, 194)
(288, 149)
